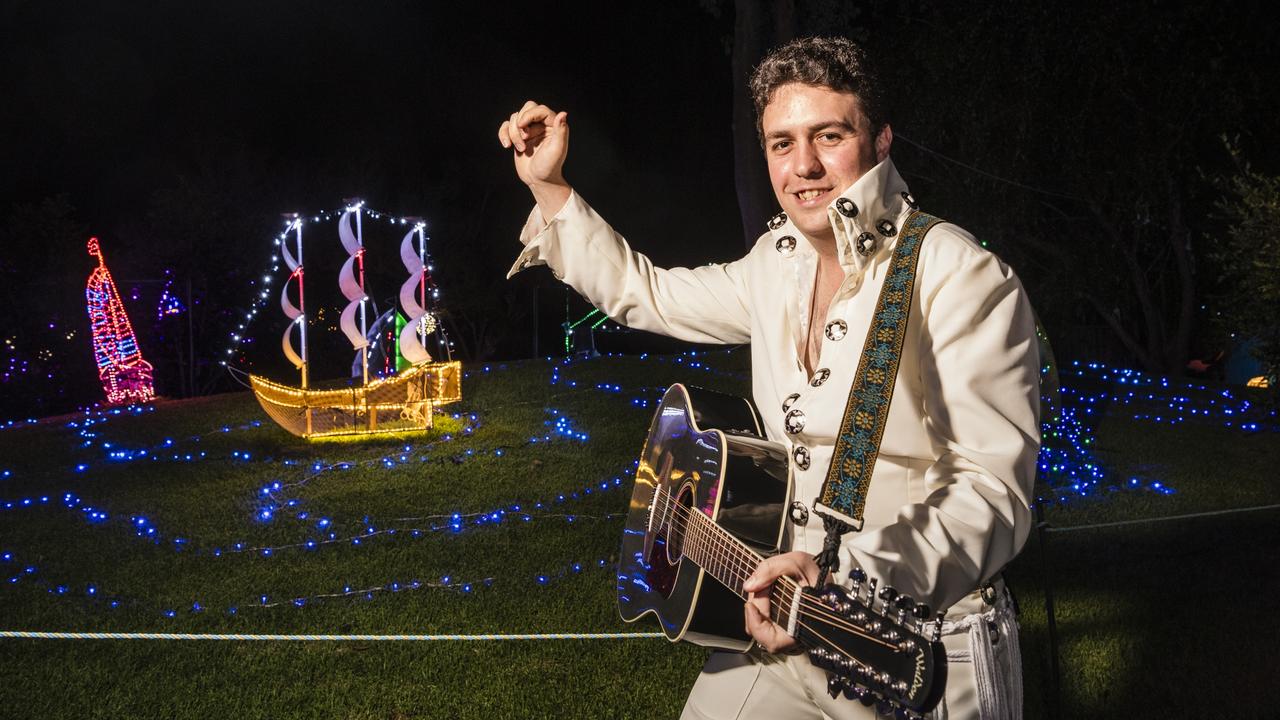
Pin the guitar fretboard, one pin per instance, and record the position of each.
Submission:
(718, 553)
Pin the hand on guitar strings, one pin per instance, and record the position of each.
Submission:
(797, 565)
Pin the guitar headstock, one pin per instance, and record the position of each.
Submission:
(885, 654)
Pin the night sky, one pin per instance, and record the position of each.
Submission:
(261, 108)
(394, 102)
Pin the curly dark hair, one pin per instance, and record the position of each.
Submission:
(832, 62)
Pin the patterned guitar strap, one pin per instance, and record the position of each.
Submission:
(844, 492)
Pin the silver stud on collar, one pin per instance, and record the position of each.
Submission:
(846, 207)
(785, 245)
(886, 228)
(777, 221)
(865, 244)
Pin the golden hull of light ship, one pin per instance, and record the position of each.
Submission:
(403, 402)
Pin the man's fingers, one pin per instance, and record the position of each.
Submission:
(752, 618)
(757, 623)
(793, 564)
(764, 631)
(531, 122)
(534, 114)
(513, 133)
(769, 570)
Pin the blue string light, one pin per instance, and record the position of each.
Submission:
(1158, 399)
(30, 574)
(1067, 463)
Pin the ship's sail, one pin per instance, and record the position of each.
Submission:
(351, 284)
(413, 297)
(402, 401)
(291, 311)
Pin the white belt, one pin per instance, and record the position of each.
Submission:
(999, 684)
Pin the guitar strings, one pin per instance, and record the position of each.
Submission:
(738, 567)
(743, 562)
(721, 547)
(862, 665)
(782, 600)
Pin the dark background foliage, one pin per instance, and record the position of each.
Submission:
(1074, 139)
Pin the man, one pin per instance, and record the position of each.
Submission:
(947, 506)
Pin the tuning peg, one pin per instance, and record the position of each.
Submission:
(887, 596)
(871, 593)
(921, 613)
(937, 628)
(903, 605)
(835, 684)
(856, 577)
(853, 692)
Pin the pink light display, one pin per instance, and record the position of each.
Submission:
(125, 376)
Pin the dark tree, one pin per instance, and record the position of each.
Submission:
(46, 355)
(1246, 249)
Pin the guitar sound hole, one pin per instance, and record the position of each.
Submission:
(677, 524)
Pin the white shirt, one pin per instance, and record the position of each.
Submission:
(947, 507)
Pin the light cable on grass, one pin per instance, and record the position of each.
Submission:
(37, 635)
(1145, 521)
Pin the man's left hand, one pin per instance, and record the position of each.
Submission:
(768, 634)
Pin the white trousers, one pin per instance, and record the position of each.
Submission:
(757, 685)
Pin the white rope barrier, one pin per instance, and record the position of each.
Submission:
(36, 635)
(1143, 521)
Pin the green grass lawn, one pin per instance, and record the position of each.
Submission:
(1161, 620)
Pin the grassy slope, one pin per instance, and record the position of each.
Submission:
(1169, 619)
(1140, 610)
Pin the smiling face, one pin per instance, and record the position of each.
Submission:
(817, 142)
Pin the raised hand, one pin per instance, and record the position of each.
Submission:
(539, 139)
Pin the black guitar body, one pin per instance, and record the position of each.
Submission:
(707, 507)
(706, 450)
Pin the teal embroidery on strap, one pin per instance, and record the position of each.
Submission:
(858, 444)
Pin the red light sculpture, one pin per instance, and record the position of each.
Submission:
(125, 376)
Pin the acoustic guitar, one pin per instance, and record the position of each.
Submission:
(709, 503)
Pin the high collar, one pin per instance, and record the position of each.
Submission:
(879, 195)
